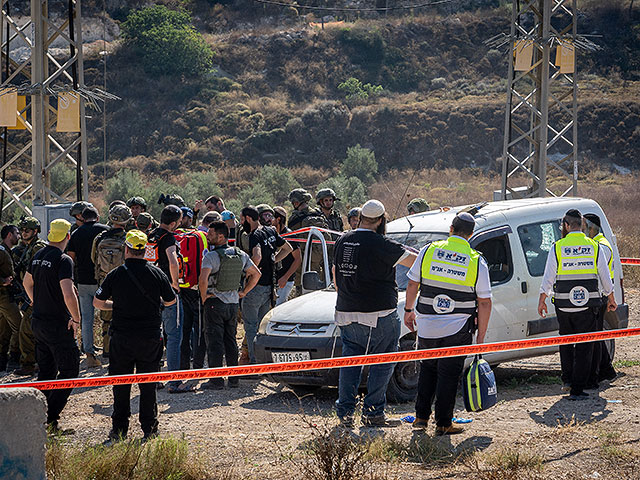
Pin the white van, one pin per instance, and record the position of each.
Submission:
(514, 236)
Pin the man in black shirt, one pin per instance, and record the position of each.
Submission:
(266, 248)
(287, 268)
(56, 316)
(137, 289)
(366, 310)
(165, 256)
(79, 250)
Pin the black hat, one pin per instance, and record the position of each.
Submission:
(593, 218)
(573, 213)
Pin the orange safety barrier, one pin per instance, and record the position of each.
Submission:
(327, 363)
(629, 261)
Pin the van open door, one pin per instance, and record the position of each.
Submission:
(316, 273)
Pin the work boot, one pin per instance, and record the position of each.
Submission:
(420, 423)
(450, 430)
(4, 359)
(93, 361)
(14, 361)
(25, 371)
(244, 358)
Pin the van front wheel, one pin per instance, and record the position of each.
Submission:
(403, 386)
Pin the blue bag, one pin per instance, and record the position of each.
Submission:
(479, 386)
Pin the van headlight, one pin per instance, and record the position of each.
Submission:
(262, 329)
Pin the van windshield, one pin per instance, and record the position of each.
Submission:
(415, 240)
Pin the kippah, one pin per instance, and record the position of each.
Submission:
(463, 218)
(573, 213)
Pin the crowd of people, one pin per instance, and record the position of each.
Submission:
(176, 287)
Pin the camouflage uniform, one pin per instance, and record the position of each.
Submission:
(10, 316)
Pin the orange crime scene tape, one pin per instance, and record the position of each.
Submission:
(629, 261)
(326, 363)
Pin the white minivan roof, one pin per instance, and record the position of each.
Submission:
(494, 214)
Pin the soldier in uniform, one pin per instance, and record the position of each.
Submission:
(10, 316)
(23, 253)
(417, 205)
(145, 222)
(137, 205)
(76, 212)
(325, 198)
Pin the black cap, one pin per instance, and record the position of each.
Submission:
(593, 218)
(573, 213)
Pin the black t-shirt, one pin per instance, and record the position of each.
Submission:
(165, 239)
(133, 313)
(269, 242)
(365, 271)
(80, 243)
(285, 264)
(48, 267)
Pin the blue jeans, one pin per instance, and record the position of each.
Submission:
(172, 326)
(255, 306)
(85, 298)
(355, 337)
(283, 293)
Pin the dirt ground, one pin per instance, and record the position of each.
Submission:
(258, 430)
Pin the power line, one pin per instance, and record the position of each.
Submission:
(351, 9)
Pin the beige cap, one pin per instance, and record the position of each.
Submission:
(372, 209)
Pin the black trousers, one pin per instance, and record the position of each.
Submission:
(439, 378)
(192, 336)
(575, 360)
(58, 357)
(221, 326)
(142, 355)
(601, 366)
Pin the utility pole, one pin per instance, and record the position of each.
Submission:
(40, 77)
(540, 150)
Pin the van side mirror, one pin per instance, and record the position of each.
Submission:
(311, 281)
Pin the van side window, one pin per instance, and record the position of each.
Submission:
(537, 239)
(497, 253)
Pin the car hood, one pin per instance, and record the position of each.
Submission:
(317, 306)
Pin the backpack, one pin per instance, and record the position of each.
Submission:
(193, 243)
(109, 252)
(151, 250)
(310, 218)
(228, 278)
(479, 388)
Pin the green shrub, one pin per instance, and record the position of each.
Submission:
(62, 178)
(366, 47)
(278, 181)
(360, 163)
(355, 89)
(167, 42)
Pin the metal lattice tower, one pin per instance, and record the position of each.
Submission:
(39, 77)
(541, 131)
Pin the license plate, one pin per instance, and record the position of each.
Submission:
(287, 357)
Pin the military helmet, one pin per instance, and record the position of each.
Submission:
(172, 199)
(137, 201)
(354, 212)
(263, 207)
(324, 193)
(120, 214)
(144, 221)
(78, 207)
(300, 195)
(29, 222)
(417, 205)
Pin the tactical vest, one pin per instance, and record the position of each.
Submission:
(228, 278)
(600, 238)
(577, 275)
(449, 274)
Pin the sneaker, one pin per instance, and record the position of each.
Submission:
(379, 421)
(565, 387)
(55, 431)
(25, 370)
(113, 438)
(93, 361)
(149, 436)
(450, 430)
(420, 423)
(578, 396)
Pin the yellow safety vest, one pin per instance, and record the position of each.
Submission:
(449, 274)
(600, 238)
(577, 274)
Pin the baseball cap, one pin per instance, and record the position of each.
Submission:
(227, 215)
(186, 212)
(58, 230)
(372, 209)
(136, 239)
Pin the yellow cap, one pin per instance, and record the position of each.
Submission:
(136, 239)
(58, 230)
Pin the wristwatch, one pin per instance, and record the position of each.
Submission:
(408, 310)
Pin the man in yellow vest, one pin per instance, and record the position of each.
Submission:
(601, 367)
(454, 290)
(574, 266)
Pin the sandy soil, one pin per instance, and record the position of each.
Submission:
(258, 427)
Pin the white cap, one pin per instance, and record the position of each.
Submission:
(372, 209)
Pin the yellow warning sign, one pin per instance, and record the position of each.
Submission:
(524, 55)
(566, 57)
(68, 112)
(8, 107)
(21, 118)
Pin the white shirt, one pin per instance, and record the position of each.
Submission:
(551, 272)
(439, 326)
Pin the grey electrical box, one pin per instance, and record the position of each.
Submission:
(518, 192)
(47, 213)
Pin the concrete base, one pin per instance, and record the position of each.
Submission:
(23, 413)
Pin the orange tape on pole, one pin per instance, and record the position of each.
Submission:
(630, 261)
(326, 363)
